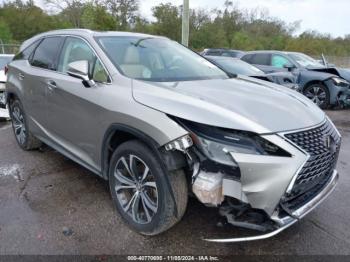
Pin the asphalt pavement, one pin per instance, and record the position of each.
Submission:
(50, 205)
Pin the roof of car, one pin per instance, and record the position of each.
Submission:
(221, 57)
(83, 33)
(266, 51)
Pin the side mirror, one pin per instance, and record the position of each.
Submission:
(80, 69)
(289, 67)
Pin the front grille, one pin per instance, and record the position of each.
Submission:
(322, 144)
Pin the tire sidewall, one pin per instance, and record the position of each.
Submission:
(145, 154)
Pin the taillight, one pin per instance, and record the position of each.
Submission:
(6, 69)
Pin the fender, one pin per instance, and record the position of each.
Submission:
(170, 160)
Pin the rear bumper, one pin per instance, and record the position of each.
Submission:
(287, 221)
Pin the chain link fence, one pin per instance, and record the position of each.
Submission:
(9, 48)
(339, 61)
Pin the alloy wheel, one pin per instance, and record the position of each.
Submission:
(317, 95)
(19, 125)
(136, 189)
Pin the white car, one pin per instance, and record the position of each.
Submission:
(4, 60)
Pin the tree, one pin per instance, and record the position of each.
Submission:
(168, 21)
(124, 12)
(5, 32)
(72, 10)
(96, 17)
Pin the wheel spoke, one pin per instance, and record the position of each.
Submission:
(145, 173)
(131, 201)
(150, 184)
(122, 179)
(120, 187)
(149, 203)
(133, 168)
(126, 165)
(146, 209)
(135, 207)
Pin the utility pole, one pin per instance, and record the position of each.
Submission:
(185, 22)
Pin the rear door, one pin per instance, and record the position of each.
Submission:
(42, 68)
(72, 108)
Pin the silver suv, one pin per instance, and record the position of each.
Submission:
(161, 122)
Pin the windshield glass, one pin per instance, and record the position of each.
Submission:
(305, 60)
(4, 60)
(236, 66)
(157, 59)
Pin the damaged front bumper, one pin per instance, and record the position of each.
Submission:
(287, 221)
(276, 191)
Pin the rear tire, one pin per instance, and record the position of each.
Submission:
(143, 198)
(25, 139)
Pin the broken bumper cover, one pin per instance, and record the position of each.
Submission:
(287, 221)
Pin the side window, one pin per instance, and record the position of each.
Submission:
(279, 61)
(214, 53)
(260, 59)
(25, 54)
(247, 58)
(45, 55)
(76, 49)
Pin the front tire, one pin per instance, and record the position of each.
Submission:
(25, 139)
(319, 94)
(140, 189)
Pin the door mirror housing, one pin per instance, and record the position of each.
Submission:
(80, 69)
(289, 67)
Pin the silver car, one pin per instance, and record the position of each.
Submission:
(4, 60)
(159, 122)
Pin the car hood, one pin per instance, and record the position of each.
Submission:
(342, 72)
(241, 103)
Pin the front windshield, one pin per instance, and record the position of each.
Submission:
(236, 66)
(157, 59)
(305, 60)
(4, 60)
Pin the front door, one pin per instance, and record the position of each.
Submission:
(73, 109)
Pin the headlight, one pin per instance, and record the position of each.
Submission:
(340, 82)
(216, 142)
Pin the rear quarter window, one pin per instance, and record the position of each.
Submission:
(25, 54)
(46, 54)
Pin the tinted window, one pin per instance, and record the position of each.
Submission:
(236, 66)
(45, 55)
(279, 61)
(214, 53)
(76, 49)
(260, 59)
(25, 54)
(247, 58)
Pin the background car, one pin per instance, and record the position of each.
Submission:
(237, 66)
(222, 52)
(324, 86)
(4, 60)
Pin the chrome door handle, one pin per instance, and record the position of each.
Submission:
(20, 76)
(51, 85)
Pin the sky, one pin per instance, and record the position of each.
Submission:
(325, 16)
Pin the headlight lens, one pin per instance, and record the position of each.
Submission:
(340, 82)
(216, 143)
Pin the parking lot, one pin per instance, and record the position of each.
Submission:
(50, 205)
